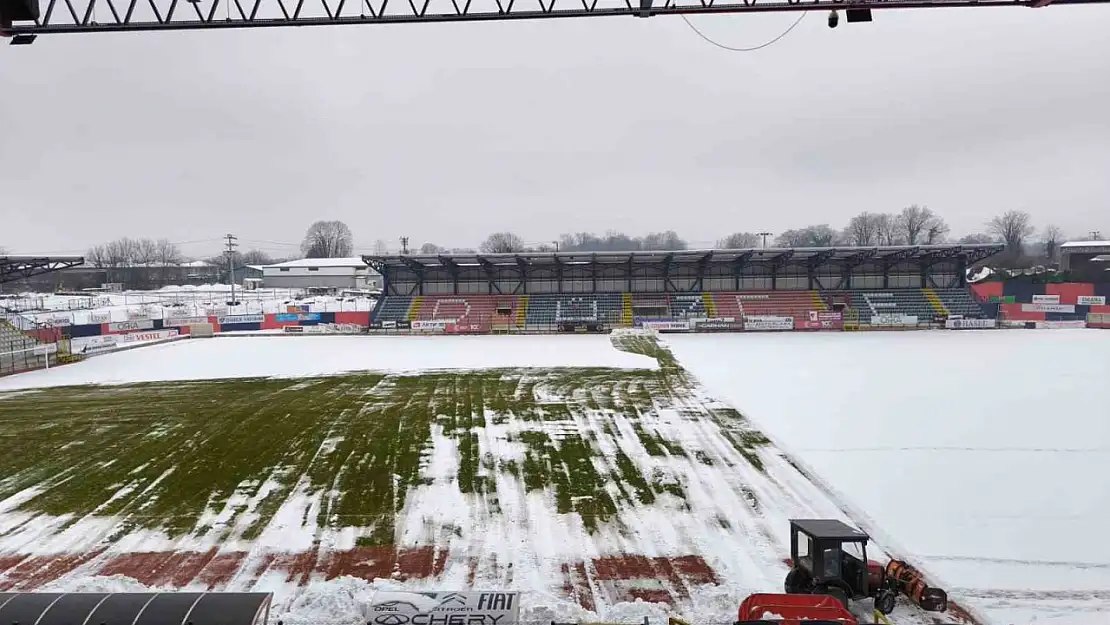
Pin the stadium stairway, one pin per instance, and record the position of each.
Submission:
(414, 309)
(710, 305)
(819, 303)
(521, 311)
(939, 308)
(626, 310)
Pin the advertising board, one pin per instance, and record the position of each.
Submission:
(1060, 308)
(821, 320)
(229, 319)
(176, 322)
(155, 335)
(762, 322)
(130, 326)
(294, 329)
(444, 608)
(288, 317)
(717, 325)
(100, 317)
(56, 321)
(667, 326)
(970, 324)
(430, 325)
(893, 321)
(1046, 299)
(1091, 300)
(93, 344)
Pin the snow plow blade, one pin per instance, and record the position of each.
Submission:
(912, 584)
(782, 609)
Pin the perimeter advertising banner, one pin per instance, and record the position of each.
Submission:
(183, 321)
(289, 317)
(820, 320)
(767, 322)
(444, 608)
(131, 326)
(230, 319)
(970, 324)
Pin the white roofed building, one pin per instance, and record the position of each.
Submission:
(306, 273)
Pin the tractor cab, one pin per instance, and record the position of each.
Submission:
(830, 558)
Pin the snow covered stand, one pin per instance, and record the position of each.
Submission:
(139, 608)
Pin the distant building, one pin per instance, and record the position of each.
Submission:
(335, 273)
(1086, 260)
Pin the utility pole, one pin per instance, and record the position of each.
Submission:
(1095, 235)
(231, 245)
(556, 246)
(404, 246)
(764, 235)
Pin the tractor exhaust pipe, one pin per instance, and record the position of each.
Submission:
(911, 583)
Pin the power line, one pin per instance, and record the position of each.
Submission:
(751, 49)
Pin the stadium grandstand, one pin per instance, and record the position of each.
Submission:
(767, 288)
(24, 343)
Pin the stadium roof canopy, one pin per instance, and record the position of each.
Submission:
(19, 267)
(972, 253)
(154, 608)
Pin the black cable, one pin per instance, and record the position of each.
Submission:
(752, 49)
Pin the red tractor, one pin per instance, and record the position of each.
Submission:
(830, 558)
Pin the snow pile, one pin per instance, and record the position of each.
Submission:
(974, 450)
(323, 355)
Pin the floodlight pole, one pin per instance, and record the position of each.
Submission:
(231, 244)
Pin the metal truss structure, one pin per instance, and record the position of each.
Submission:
(28, 19)
(685, 271)
(20, 267)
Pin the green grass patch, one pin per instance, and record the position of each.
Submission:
(167, 455)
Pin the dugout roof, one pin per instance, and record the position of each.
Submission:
(972, 254)
(138, 608)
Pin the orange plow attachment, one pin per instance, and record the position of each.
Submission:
(794, 610)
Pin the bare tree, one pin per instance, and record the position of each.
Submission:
(667, 241)
(810, 236)
(3, 251)
(936, 233)
(431, 248)
(886, 227)
(146, 252)
(380, 248)
(919, 225)
(1013, 228)
(1052, 237)
(862, 230)
(502, 243)
(97, 256)
(976, 239)
(255, 257)
(739, 241)
(327, 239)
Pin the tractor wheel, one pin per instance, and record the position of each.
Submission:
(834, 592)
(884, 601)
(797, 581)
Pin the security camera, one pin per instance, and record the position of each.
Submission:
(834, 19)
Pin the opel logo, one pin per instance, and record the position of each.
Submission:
(391, 619)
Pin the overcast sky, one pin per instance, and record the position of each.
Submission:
(445, 132)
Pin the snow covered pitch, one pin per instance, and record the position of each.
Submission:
(983, 455)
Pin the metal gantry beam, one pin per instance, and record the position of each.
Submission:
(86, 16)
(21, 267)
